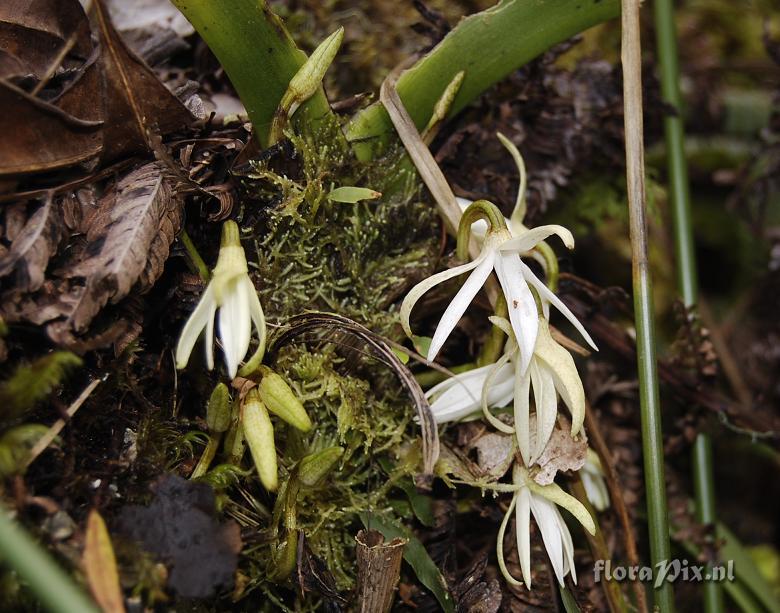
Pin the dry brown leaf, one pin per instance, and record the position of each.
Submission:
(34, 31)
(562, 452)
(100, 566)
(128, 241)
(40, 136)
(33, 246)
(136, 101)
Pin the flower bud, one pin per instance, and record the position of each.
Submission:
(281, 401)
(218, 409)
(309, 77)
(315, 467)
(259, 434)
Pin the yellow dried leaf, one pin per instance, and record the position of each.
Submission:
(100, 566)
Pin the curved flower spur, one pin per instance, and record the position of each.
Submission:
(232, 292)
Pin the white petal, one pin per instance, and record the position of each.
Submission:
(461, 301)
(423, 286)
(547, 296)
(459, 396)
(257, 315)
(522, 410)
(546, 402)
(199, 319)
(523, 530)
(545, 514)
(554, 493)
(520, 302)
(486, 389)
(210, 339)
(567, 380)
(529, 239)
(235, 325)
(568, 547)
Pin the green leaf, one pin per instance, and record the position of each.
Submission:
(420, 503)
(257, 53)
(746, 570)
(421, 344)
(487, 46)
(350, 195)
(401, 355)
(569, 603)
(416, 556)
(34, 382)
(15, 445)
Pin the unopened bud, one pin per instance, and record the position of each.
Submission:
(309, 76)
(259, 434)
(315, 467)
(282, 401)
(218, 409)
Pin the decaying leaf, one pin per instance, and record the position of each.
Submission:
(180, 528)
(128, 241)
(99, 100)
(33, 246)
(136, 101)
(40, 136)
(561, 454)
(100, 565)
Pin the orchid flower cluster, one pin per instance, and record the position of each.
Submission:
(232, 294)
(532, 362)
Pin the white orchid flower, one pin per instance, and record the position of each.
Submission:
(592, 475)
(500, 252)
(542, 502)
(551, 373)
(461, 395)
(232, 292)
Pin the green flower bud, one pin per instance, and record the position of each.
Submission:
(309, 77)
(315, 467)
(218, 409)
(259, 434)
(282, 402)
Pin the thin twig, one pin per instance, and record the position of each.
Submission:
(58, 425)
(596, 441)
(652, 436)
(426, 165)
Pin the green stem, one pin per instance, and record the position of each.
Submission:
(207, 457)
(650, 406)
(679, 190)
(192, 252)
(257, 53)
(53, 587)
(487, 46)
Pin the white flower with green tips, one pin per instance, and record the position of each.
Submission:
(232, 292)
(541, 501)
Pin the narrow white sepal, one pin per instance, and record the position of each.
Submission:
(198, 320)
(461, 301)
(520, 303)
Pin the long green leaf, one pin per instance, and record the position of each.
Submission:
(257, 53)
(53, 587)
(487, 46)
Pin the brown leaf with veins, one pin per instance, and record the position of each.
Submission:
(33, 246)
(128, 241)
